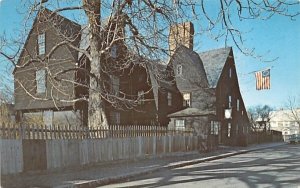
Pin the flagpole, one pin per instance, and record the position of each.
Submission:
(260, 70)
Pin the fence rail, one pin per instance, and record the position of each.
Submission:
(71, 132)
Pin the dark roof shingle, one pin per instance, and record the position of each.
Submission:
(214, 61)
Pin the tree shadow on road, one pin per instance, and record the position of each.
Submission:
(275, 167)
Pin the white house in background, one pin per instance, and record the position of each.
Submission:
(286, 122)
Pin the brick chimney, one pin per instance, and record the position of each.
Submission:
(181, 34)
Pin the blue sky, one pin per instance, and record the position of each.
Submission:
(279, 35)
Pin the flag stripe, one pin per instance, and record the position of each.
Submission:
(263, 80)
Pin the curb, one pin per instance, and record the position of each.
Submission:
(115, 179)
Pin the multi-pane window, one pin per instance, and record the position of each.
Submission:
(41, 44)
(214, 127)
(229, 130)
(179, 70)
(40, 81)
(113, 51)
(179, 124)
(229, 101)
(186, 99)
(115, 84)
(115, 118)
(237, 104)
(141, 97)
(169, 99)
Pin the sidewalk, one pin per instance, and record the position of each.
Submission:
(111, 172)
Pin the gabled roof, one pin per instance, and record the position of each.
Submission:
(192, 63)
(44, 10)
(214, 61)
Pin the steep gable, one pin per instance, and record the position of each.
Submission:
(214, 61)
(63, 26)
(193, 73)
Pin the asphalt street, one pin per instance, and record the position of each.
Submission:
(273, 167)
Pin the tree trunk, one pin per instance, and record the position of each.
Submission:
(96, 111)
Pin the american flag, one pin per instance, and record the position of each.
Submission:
(263, 79)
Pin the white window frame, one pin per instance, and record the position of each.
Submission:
(229, 101)
(141, 97)
(214, 127)
(238, 105)
(179, 124)
(41, 44)
(169, 97)
(40, 78)
(179, 70)
(186, 99)
(114, 51)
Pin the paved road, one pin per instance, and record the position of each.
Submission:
(274, 167)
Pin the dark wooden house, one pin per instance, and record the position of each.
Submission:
(196, 90)
(49, 83)
(40, 91)
(212, 102)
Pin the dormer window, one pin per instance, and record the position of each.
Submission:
(113, 51)
(41, 44)
(179, 70)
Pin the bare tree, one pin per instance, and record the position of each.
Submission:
(139, 27)
(260, 117)
(293, 109)
(253, 116)
(6, 90)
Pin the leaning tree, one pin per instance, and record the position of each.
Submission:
(144, 25)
